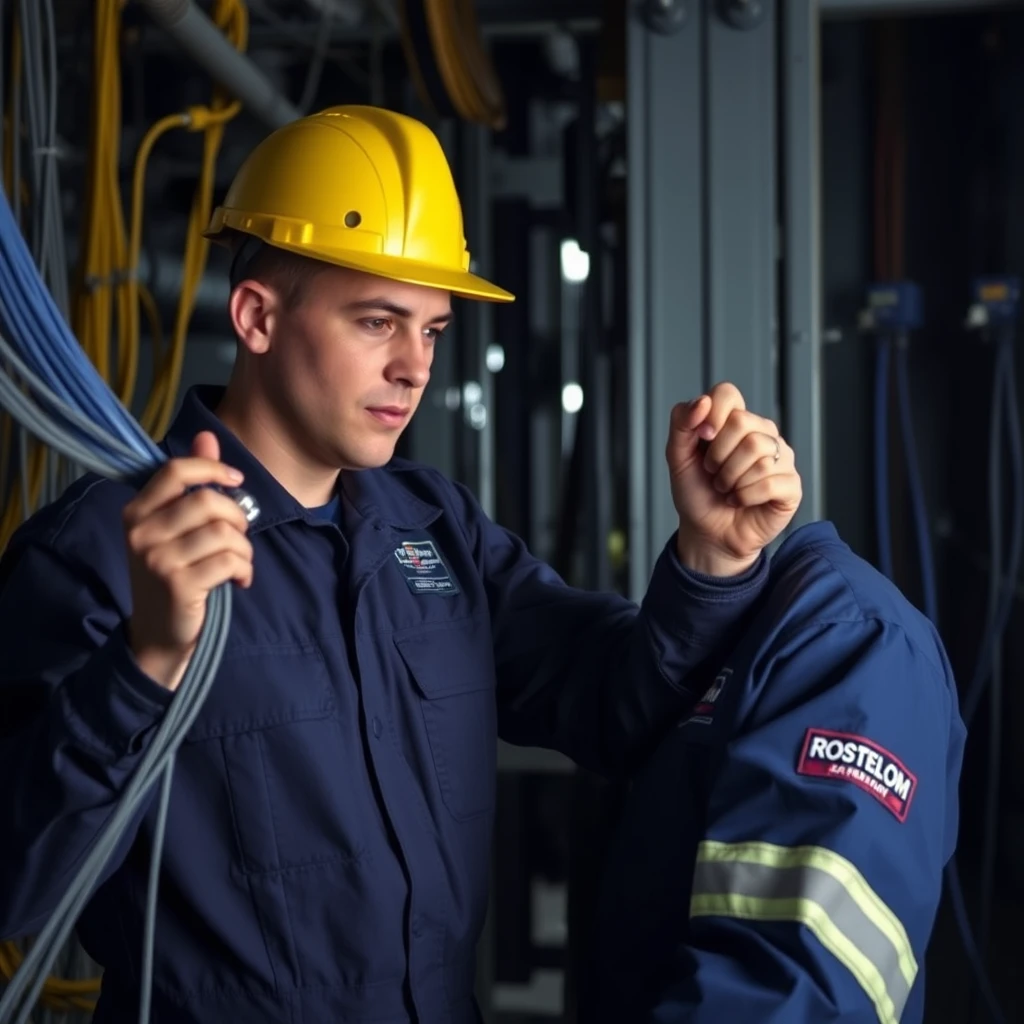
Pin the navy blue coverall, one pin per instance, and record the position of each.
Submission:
(327, 848)
(780, 857)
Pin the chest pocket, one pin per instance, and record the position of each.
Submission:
(452, 668)
(270, 730)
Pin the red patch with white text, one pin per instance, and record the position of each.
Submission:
(844, 757)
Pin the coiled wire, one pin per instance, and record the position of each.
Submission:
(50, 388)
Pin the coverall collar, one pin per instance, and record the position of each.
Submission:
(374, 493)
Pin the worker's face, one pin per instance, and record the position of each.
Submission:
(345, 368)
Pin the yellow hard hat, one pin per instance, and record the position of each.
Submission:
(359, 187)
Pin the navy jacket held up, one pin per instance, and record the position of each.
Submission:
(780, 857)
(328, 841)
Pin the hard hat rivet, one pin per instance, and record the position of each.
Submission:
(352, 219)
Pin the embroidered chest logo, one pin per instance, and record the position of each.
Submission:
(424, 569)
(845, 757)
(704, 710)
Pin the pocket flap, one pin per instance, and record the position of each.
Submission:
(449, 658)
(264, 686)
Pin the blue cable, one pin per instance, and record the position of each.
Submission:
(917, 499)
(1004, 389)
(974, 958)
(31, 318)
(1000, 615)
(70, 408)
(882, 360)
(1003, 378)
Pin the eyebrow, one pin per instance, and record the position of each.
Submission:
(387, 306)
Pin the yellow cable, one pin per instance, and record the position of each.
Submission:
(231, 17)
(62, 995)
(11, 517)
(465, 67)
(156, 332)
(133, 290)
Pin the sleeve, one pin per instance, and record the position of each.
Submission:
(591, 674)
(819, 876)
(75, 716)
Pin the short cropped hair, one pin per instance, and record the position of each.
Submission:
(287, 272)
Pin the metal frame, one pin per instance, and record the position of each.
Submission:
(801, 266)
(701, 119)
(724, 252)
(666, 264)
(740, 234)
(476, 188)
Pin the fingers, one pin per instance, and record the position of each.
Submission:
(724, 400)
(757, 455)
(206, 446)
(186, 533)
(174, 479)
(733, 432)
(190, 512)
(196, 562)
(702, 419)
(705, 416)
(688, 416)
(188, 549)
(782, 490)
(683, 437)
(205, 575)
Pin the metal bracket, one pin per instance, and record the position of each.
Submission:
(666, 17)
(742, 14)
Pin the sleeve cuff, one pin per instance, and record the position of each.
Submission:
(690, 604)
(717, 587)
(112, 702)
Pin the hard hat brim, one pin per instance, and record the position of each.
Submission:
(397, 268)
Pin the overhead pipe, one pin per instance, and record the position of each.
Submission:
(205, 43)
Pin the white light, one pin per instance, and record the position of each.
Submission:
(472, 392)
(478, 416)
(575, 262)
(572, 397)
(494, 358)
(452, 398)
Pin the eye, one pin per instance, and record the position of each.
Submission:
(377, 324)
(434, 333)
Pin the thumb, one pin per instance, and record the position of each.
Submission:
(683, 432)
(206, 446)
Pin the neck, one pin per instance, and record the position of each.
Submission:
(256, 425)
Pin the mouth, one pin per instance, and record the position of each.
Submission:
(389, 415)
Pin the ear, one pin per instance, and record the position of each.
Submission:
(253, 308)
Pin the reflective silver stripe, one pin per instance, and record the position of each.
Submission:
(802, 886)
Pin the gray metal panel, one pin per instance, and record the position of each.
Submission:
(872, 8)
(742, 224)
(666, 318)
(801, 172)
(477, 157)
(433, 433)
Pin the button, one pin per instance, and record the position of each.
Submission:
(378, 727)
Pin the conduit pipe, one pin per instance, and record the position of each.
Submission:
(205, 43)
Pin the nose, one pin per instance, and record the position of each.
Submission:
(411, 358)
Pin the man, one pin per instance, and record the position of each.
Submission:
(780, 856)
(330, 825)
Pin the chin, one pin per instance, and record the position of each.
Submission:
(370, 457)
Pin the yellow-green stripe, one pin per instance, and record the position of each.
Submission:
(818, 888)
